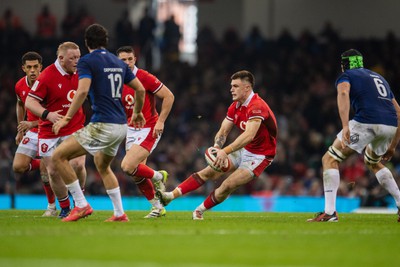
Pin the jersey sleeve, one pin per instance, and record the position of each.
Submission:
(84, 70)
(150, 82)
(39, 89)
(344, 77)
(257, 111)
(129, 76)
(230, 115)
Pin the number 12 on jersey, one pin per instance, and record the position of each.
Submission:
(116, 84)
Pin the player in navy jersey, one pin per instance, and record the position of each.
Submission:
(101, 75)
(373, 130)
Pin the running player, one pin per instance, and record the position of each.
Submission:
(101, 75)
(250, 153)
(140, 143)
(49, 98)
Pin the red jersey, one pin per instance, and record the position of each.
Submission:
(22, 89)
(152, 86)
(264, 143)
(55, 89)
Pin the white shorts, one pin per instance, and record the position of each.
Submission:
(100, 136)
(142, 137)
(376, 136)
(254, 163)
(47, 146)
(29, 145)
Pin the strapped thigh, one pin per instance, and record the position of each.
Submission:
(368, 158)
(336, 154)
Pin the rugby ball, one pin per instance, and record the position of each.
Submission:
(210, 156)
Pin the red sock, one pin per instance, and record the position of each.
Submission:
(191, 183)
(147, 188)
(211, 201)
(34, 165)
(49, 193)
(64, 202)
(144, 171)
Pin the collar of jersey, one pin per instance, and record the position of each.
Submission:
(60, 69)
(245, 102)
(135, 69)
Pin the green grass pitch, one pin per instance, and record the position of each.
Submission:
(234, 239)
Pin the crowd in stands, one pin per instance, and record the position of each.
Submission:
(295, 75)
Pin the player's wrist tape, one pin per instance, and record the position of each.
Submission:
(228, 149)
(44, 114)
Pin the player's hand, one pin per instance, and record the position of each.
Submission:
(54, 116)
(389, 154)
(24, 126)
(158, 129)
(137, 120)
(345, 136)
(220, 159)
(60, 124)
(19, 137)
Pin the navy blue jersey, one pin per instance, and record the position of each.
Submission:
(108, 74)
(370, 97)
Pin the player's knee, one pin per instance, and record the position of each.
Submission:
(19, 167)
(56, 156)
(78, 167)
(128, 167)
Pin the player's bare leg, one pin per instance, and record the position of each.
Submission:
(229, 185)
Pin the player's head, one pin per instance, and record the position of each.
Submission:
(127, 55)
(351, 59)
(68, 55)
(245, 76)
(96, 36)
(242, 83)
(31, 65)
(31, 56)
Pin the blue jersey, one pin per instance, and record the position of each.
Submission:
(108, 74)
(370, 97)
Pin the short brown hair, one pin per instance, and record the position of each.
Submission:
(244, 75)
(125, 49)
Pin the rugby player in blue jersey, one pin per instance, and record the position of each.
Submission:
(374, 130)
(101, 76)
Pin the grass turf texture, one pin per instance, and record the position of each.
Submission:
(223, 239)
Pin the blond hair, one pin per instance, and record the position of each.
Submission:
(63, 47)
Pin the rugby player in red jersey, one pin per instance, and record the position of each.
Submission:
(250, 153)
(141, 142)
(50, 97)
(25, 158)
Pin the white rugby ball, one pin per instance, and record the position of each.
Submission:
(210, 156)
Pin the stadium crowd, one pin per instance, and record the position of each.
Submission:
(295, 75)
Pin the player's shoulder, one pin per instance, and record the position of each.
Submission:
(144, 74)
(48, 73)
(21, 83)
(257, 100)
